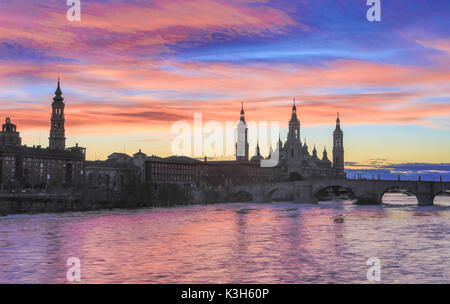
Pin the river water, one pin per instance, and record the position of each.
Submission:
(232, 243)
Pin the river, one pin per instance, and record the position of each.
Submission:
(232, 243)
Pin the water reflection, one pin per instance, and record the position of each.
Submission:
(399, 198)
(442, 199)
(230, 243)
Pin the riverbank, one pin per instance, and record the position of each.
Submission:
(47, 203)
(92, 200)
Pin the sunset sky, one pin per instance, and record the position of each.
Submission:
(129, 69)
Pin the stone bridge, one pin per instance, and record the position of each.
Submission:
(366, 191)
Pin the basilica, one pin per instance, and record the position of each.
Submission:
(292, 158)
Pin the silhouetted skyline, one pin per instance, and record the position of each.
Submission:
(133, 70)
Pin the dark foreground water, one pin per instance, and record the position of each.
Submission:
(231, 243)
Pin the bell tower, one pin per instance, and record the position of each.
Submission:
(242, 138)
(293, 145)
(338, 146)
(57, 139)
(294, 125)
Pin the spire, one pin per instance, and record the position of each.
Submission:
(305, 148)
(314, 152)
(338, 124)
(325, 154)
(242, 112)
(58, 93)
(58, 89)
(294, 109)
(257, 156)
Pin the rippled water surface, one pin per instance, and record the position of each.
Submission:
(231, 243)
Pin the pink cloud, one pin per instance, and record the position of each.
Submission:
(107, 30)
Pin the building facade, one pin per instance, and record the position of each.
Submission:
(219, 174)
(34, 167)
(180, 170)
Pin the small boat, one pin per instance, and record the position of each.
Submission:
(339, 219)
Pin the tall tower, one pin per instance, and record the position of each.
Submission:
(293, 145)
(242, 138)
(294, 125)
(57, 139)
(338, 146)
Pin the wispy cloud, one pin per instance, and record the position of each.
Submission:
(142, 65)
(407, 171)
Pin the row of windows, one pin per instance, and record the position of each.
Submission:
(33, 159)
(41, 162)
(171, 171)
(58, 111)
(170, 166)
(172, 178)
(34, 164)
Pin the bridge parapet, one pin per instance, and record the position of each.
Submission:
(366, 191)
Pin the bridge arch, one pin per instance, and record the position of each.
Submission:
(328, 192)
(442, 197)
(400, 199)
(283, 195)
